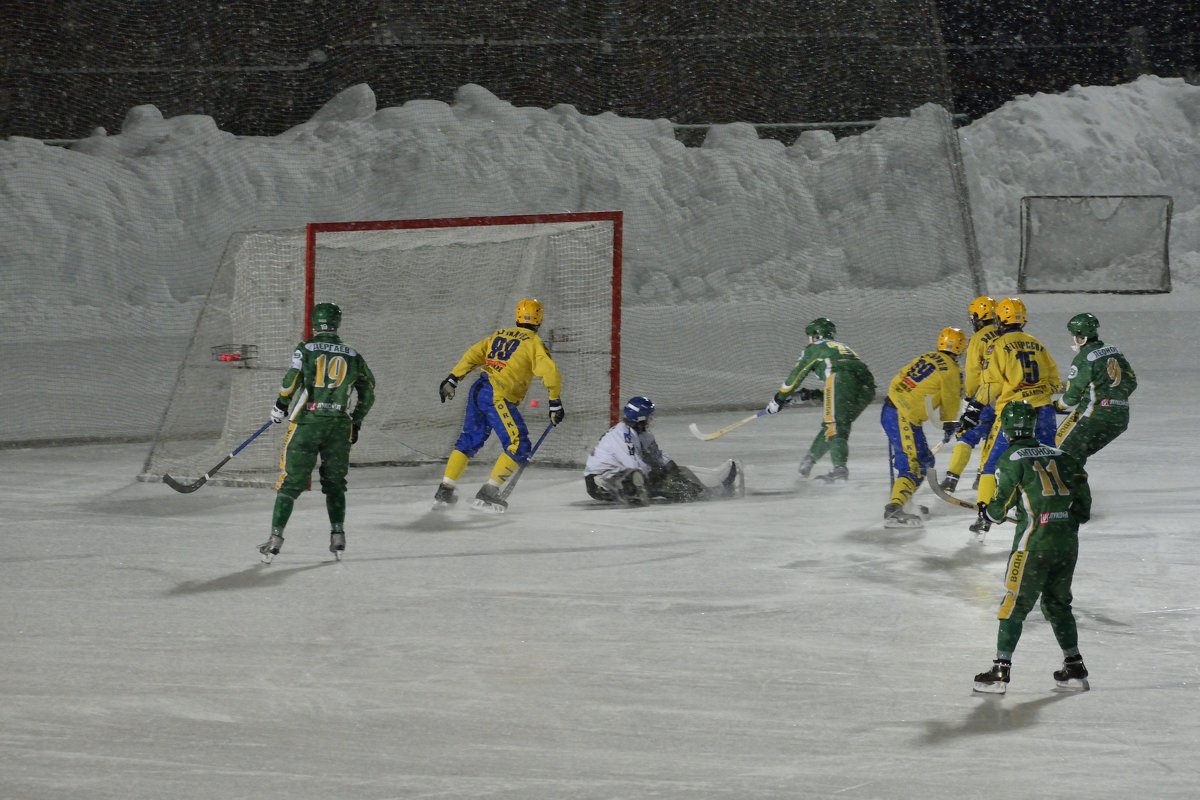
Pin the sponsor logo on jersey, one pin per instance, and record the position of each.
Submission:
(1047, 517)
(1110, 402)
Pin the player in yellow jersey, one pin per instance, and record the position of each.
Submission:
(1019, 368)
(983, 321)
(508, 360)
(931, 380)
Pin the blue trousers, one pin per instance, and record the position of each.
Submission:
(911, 456)
(1043, 431)
(486, 413)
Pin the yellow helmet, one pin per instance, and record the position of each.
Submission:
(952, 340)
(1011, 311)
(529, 312)
(982, 310)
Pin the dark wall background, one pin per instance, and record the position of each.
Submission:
(260, 67)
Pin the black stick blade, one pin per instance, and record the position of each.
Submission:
(184, 487)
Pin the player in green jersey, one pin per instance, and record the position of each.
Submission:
(1098, 385)
(848, 388)
(1049, 490)
(324, 371)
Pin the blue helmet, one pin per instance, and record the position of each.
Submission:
(638, 411)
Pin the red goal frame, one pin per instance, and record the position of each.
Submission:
(616, 218)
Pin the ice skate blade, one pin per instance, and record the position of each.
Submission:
(990, 688)
(902, 523)
(267, 558)
(486, 507)
(1072, 685)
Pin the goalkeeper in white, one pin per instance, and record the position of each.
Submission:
(627, 465)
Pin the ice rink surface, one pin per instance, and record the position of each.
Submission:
(782, 645)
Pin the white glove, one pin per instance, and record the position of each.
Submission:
(773, 406)
(279, 412)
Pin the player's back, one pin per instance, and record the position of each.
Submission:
(330, 369)
(931, 379)
(1019, 368)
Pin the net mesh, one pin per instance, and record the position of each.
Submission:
(1095, 243)
(120, 249)
(413, 298)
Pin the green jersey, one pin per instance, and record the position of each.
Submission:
(1100, 377)
(826, 358)
(328, 369)
(1049, 490)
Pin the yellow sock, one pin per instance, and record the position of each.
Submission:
(455, 467)
(902, 490)
(959, 458)
(503, 467)
(987, 488)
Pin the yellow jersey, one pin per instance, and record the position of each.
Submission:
(930, 381)
(511, 357)
(977, 352)
(1019, 368)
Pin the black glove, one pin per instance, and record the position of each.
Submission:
(279, 411)
(778, 402)
(447, 387)
(810, 394)
(983, 523)
(556, 412)
(948, 431)
(983, 515)
(970, 417)
(1059, 408)
(354, 429)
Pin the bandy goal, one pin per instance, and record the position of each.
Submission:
(414, 295)
(1115, 244)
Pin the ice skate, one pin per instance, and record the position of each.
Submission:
(1072, 677)
(894, 516)
(270, 548)
(839, 474)
(488, 499)
(734, 484)
(444, 497)
(337, 543)
(806, 466)
(950, 482)
(995, 680)
(633, 490)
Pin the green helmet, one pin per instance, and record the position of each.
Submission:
(1018, 420)
(822, 328)
(326, 317)
(1085, 325)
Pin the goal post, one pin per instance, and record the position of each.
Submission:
(1112, 244)
(414, 295)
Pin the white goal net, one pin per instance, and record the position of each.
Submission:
(414, 295)
(1116, 244)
